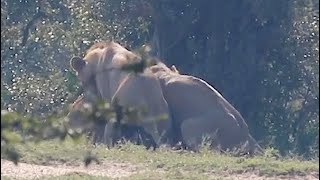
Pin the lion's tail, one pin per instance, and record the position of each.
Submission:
(254, 147)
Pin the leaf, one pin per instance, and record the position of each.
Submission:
(12, 154)
(89, 158)
(10, 137)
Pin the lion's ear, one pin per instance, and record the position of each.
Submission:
(174, 69)
(77, 63)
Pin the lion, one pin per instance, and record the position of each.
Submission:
(100, 72)
(198, 110)
(80, 119)
(77, 118)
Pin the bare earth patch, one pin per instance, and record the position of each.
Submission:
(114, 170)
(31, 171)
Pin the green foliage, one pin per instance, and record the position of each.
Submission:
(36, 77)
(16, 129)
(291, 80)
(142, 62)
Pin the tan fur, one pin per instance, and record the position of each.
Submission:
(74, 114)
(78, 117)
(200, 110)
(102, 72)
(174, 69)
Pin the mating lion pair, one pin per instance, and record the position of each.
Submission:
(194, 109)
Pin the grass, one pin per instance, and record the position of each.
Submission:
(75, 176)
(163, 163)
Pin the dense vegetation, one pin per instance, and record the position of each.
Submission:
(263, 56)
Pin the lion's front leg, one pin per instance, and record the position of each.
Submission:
(111, 133)
(152, 130)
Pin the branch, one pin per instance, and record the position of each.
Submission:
(25, 32)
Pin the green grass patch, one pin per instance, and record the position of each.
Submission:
(75, 176)
(172, 174)
(166, 162)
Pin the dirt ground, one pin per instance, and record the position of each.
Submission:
(113, 170)
(23, 170)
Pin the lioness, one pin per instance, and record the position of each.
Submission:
(198, 110)
(100, 72)
(79, 118)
